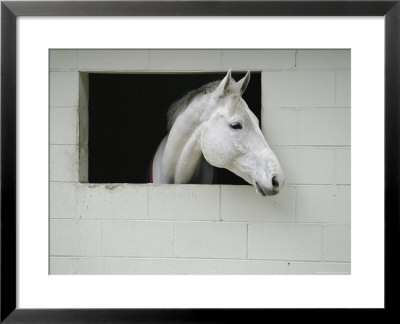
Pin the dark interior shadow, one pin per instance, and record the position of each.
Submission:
(127, 120)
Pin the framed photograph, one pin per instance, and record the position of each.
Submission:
(279, 205)
(193, 161)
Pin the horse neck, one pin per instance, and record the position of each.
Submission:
(182, 155)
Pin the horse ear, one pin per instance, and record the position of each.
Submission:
(223, 87)
(243, 83)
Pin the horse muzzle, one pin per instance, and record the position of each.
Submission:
(263, 191)
(269, 188)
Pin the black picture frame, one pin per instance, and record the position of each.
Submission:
(11, 10)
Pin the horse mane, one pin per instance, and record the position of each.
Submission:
(180, 105)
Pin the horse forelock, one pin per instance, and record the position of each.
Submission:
(180, 105)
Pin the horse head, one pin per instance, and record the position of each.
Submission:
(231, 138)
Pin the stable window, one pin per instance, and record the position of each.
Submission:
(127, 120)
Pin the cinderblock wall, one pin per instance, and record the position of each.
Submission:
(209, 229)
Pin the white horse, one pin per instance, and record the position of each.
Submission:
(213, 126)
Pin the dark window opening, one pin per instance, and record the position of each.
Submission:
(127, 120)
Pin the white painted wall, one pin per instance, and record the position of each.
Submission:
(210, 229)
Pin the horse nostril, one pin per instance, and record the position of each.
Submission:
(275, 183)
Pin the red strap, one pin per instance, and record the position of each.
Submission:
(151, 167)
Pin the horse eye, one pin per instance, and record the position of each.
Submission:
(236, 125)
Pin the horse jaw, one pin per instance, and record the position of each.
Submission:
(262, 170)
(274, 179)
(259, 166)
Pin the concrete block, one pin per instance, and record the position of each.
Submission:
(113, 60)
(62, 200)
(63, 59)
(211, 240)
(64, 89)
(84, 145)
(166, 266)
(343, 88)
(76, 266)
(323, 59)
(257, 59)
(298, 89)
(306, 165)
(84, 163)
(112, 201)
(241, 203)
(83, 90)
(64, 163)
(284, 242)
(324, 126)
(342, 165)
(138, 239)
(75, 238)
(336, 243)
(181, 60)
(323, 204)
(83, 126)
(279, 126)
(319, 268)
(63, 126)
(184, 202)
